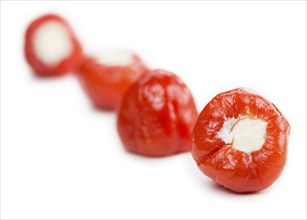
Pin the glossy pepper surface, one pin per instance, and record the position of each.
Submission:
(157, 115)
(235, 169)
(105, 84)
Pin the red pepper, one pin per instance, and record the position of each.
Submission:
(241, 167)
(51, 47)
(105, 83)
(157, 115)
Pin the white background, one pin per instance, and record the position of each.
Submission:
(61, 158)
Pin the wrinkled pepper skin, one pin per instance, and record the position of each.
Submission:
(234, 169)
(105, 85)
(66, 65)
(157, 115)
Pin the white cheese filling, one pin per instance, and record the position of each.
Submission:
(52, 43)
(114, 57)
(245, 134)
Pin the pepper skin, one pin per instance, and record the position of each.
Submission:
(65, 65)
(237, 170)
(106, 84)
(157, 115)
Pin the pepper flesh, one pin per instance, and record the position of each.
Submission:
(105, 85)
(237, 170)
(157, 115)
